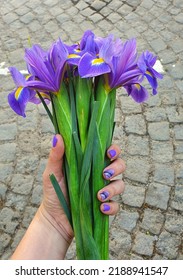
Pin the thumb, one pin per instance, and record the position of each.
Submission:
(55, 159)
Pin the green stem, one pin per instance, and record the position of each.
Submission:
(45, 106)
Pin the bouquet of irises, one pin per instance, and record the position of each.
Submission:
(77, 86)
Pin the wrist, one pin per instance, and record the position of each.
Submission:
(55, 224)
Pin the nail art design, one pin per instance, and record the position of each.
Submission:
(54, 141)
(104, 195)
(106, 207)
(112, 153)
(108, 173)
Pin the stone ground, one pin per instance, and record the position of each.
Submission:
(150, 222)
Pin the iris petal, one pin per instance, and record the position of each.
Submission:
(90, 66)
(19, 101)
(18, 78)
(137, 92)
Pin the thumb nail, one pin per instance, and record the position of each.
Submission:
(54, 141)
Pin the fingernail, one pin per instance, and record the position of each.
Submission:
(108, 173)
(54, 141)
(106, 207)
(112, 153)
(104, 195)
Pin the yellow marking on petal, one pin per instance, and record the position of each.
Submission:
(77, 50)
(148, 73)
(97, 61)
(137, 86)
(27, 77)
(18, 92)
(73, 55)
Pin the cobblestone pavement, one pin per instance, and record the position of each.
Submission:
(150, 222)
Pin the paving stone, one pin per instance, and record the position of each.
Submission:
(168, 245)
(143, 244)
(127, 220)
(158, 195)
(128, 106)
(8, 131)
(16, 201)
(147, 4)
(176, 45)
(152, 221)
(159, 131)
(115, 5)
(138, 145)
(155, 114)
(179, 149)
(123, 244)
(175, 115)
(178, 130)
(41, 169)
(125, 10)
(133, 196)
(22, 184)
(135, 124)
(3, 190)
(27, 164)
(177, 201)
(177, 71)
(158, 45)
(7, 152)
(7, 220)
(174, 223)
(162, 151)
(6, 171)
(37, 195)
(4, 241)
(137, 169)
(28, 216)
(179, 174)
(98, 5)
(164, 174)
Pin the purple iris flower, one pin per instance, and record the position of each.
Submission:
(145, 63)
(88, 44)
(96, 63)
(19, 98)
(124, 66)
(47, 67)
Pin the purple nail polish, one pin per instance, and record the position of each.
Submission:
(112, 153)
(108, 173)
(54, 141)
(106, 207)
(104, 195)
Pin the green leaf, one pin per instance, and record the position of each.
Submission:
(83, 100)
(89, 146)
(101, 221)
(61, 197)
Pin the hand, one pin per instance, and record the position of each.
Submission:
(51, 207)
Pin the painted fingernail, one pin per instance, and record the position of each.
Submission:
(112, 153)
(106, 207)
(108, 173)
(104, 195)
(54, 141)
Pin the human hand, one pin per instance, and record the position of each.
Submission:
(51, 207)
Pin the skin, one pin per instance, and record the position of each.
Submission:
(50, 234)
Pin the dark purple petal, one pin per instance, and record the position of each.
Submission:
(137, 92)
